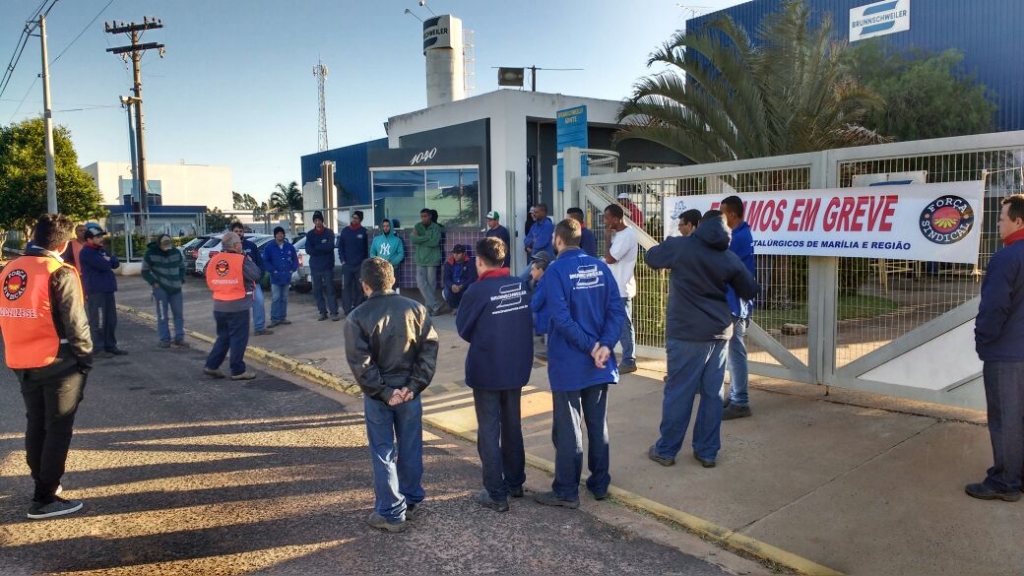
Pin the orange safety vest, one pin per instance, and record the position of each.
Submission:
(26, 313)
(76, 249)
(224, 276)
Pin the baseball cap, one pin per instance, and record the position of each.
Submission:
(623, 196)
(459, 248)
(94, 230)
(541, 259)
(318, 215)
(493, 215)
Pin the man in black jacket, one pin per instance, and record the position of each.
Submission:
(699, 326)
(495, 319)
(391, 348)
(49, 347)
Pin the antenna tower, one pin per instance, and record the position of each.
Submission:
(320, 71)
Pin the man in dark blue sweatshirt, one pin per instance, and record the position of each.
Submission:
(699, 326)
(588, 243)
(99, 283)
(459, 274)
(539, 237)
(320, 249)
(495, 319)
(585, 320)
(353, 248)
(998, 334)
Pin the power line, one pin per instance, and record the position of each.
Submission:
(26, 32)
(20, 104)
(94, 19)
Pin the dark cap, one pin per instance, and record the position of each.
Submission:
(459, 249)
(278, 229)
(541, 259)
(94, 231)
(318, 215)
(358, 214)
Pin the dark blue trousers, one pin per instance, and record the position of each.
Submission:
(570, 411)
(1004, 393)
(233, 336)
(499, 440)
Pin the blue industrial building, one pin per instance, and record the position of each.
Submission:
(987, 32)
(352, 170)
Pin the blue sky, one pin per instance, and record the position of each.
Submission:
(236, 86)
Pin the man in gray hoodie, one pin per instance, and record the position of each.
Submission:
(698, 329)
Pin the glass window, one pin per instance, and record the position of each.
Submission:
(400, 194)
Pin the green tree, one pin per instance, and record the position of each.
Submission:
(287, 199)
(23, 177)
(241, 201)
(725, 97)
(927, 95)
(216, 221)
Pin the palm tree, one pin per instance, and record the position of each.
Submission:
(726, 98)
(287, 199)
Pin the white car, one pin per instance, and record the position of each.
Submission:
(213, 247)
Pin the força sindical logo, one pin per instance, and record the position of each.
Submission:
(947, 220)
(14, 284)
(222, 268)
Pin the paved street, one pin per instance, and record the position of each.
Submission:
(181, 474)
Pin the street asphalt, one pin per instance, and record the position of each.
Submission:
(182, 474)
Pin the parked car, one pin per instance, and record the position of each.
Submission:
(190, 251)
(300, 278)
(213, 247)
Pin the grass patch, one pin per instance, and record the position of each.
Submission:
(850, 307)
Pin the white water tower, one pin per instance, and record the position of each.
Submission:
(443, 49)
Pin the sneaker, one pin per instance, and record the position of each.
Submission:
(273, 323)
(118, 352)
(627, 368)
(378, 521)
(263, 332)
(165, 344)
(599, 497)
(552, 499)
(703, 462)
(414, 512)
(214, 372)
(983, 492)
(321, 318)
(653, 455)
(244, 376)
(103, 354)
(516, 492)
(179, 345)
(59, 507)
(733, 411)
(285, 322)
(485, 500)
(335, 318)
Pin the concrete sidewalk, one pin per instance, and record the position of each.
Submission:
(857, 483)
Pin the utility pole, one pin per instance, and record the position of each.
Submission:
(137, 50)
(51, 172)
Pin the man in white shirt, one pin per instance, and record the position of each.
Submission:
(620, 255)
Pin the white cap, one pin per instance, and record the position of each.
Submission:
(623, 195)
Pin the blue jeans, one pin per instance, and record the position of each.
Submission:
(323, 291)
(566, 433)
(351, 288)
(426, 281)
(233, 336)
(452, 299)
(278, 302)
(693, 368)
(738, 375)
(175, 303)
(628, 337)
(397, 474)
(1004, 395)
(499, 440)
(259, 311)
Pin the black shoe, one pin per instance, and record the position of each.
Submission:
(516, 492)
(599, 497)
(627, 368)
(732, 412)
(552, 499)
(322, 318)
(59, 507)
(335, 318)
(118, 352)
(485, 500)
(653, 455)
(413, 512)
(103, 354)
(983, 492)
(703, 462)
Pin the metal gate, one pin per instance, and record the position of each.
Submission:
(897, 327)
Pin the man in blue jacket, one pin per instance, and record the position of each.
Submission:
(353, 248)
(998, 334)
(495, 319)
(99, 283)
(459, 273)
(586, 316)
(281, 261)
(320, 249)
(699, 325)
(259, 309)
(496, 230)
(588, 243)
(539, 237)
(742, 245)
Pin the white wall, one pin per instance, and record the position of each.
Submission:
(182, 184)
(508, 111)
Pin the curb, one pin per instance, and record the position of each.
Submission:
(723, 536)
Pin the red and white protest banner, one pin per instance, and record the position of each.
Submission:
(933, 222)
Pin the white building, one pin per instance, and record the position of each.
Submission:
(169, 184)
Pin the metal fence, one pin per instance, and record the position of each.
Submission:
(866, 319)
